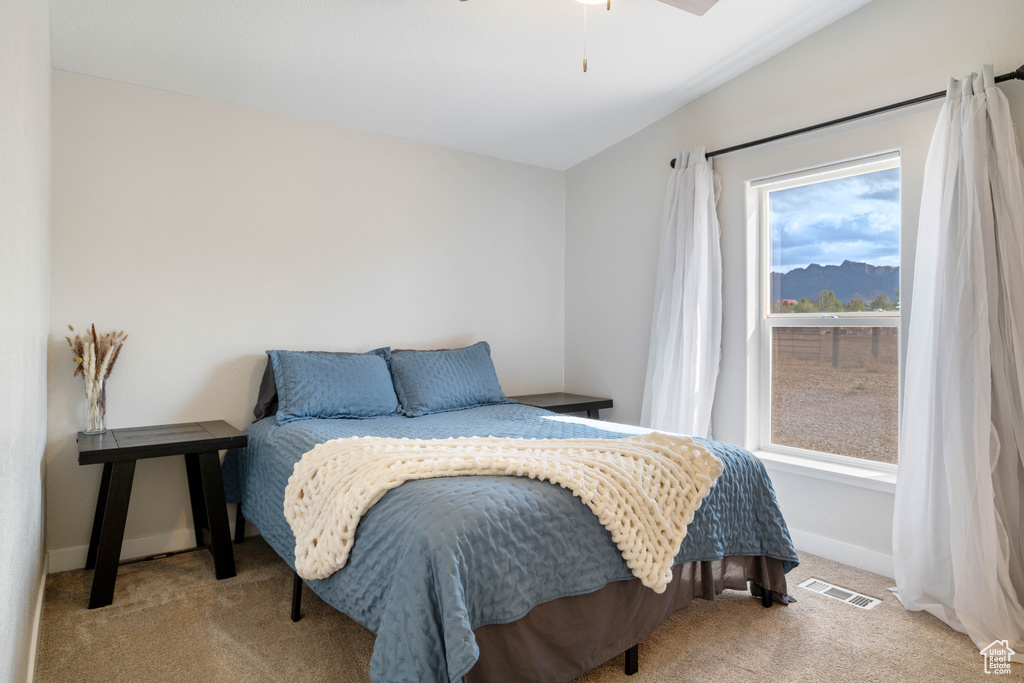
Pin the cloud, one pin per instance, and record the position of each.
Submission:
(888, 194)
(855, 218)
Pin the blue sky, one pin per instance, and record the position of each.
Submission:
(855, 218)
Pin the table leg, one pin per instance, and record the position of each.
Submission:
(593, 414)
(217, 514)
(108, 552)
(195, 494)
(97, 519)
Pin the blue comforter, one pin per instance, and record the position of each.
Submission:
(436, 558)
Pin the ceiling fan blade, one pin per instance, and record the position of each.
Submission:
(698, 7)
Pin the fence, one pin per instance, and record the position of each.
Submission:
(814, 343)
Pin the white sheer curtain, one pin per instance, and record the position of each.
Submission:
(957, 532)
(686, 333)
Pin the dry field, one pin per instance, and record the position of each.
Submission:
(850, 409)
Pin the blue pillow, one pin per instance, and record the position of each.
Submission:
(438, 381)
(313, 384)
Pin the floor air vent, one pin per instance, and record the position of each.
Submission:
(841, 594)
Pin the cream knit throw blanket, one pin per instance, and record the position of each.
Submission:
(644, 489)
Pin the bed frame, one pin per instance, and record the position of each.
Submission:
(632, 654)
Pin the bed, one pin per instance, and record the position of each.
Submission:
(485, 578)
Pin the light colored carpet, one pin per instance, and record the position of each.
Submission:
(172, 621)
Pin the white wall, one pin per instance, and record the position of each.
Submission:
(24, 240)
(889, 50)
(211, 233)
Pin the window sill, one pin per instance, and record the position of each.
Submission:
(876, 476)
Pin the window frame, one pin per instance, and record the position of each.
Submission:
(766, 320)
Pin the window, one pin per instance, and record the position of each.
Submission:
(830, 310)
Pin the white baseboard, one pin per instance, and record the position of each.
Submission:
(64, 559)
(841, 551)
(37, 622)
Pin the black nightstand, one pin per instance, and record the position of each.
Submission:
(560, 402)
(118, 450)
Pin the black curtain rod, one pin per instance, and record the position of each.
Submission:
(1018, 74)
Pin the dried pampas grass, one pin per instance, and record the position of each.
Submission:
(95, 355)
(91, 348)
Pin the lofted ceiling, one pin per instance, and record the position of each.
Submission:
(497, 77)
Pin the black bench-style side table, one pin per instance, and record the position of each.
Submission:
(560, 402)
(118, 450)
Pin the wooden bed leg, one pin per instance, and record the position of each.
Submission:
(633, 660)
(766, 597)
(239, 525)
(296, 598)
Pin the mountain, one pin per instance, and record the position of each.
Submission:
(851, 280)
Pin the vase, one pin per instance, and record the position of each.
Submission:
(96, 395)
